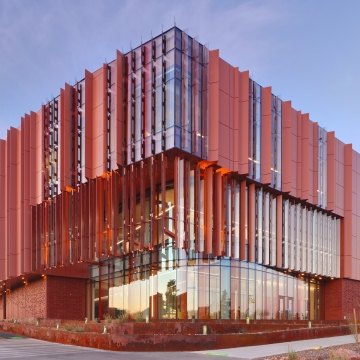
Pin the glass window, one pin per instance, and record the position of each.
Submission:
(225, 293)
(215, 289)
(255, 130)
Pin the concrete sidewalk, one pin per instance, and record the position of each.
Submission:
(254, 352)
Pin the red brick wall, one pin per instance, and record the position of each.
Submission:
(66, 298)
(27, 301)
(52, 297)
(341, 297)
(1, 308)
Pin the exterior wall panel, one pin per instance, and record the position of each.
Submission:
(348, 218)
(98, 123)
(119, 110)
(299, 155)
(218, 216)
(286, 146)
(243, 222)
(14, 201)
(89, 131)
(209, 210)
(316, 163)
(305, 172)
(26, 174)
(331, 173)
(279, 231)
(266, 136)
(3, 211)
(243, 167)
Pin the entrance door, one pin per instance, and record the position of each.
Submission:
(314, 301)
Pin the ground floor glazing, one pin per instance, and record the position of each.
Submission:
(169, 284)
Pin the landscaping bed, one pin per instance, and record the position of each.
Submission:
(171, 335)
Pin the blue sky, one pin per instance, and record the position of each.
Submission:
(308, 51)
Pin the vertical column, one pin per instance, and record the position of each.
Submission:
(35, 242)
(235, 119)
(244, 123)
(142, 205)
(316, 162)
(14, 201)
(163, 196)
(331, 171)
(266, 135)
(279, 230)
(243, 221)
(299, 158)
(92, 220)
(106, 121)
(3, 210)
(132, 202)
(208, 210)
(186, 194)
(109, 215)
(176, 199)
(100, 215)
(119, 108)
(311, 163)
(27, 173)
(65, 227)
(84, 253)
(58, 229)
(305, 164)
(346, 261)
(214, 98)
(89, 131)
(118, 220)
(286, 146)
(218, 233)
(198, 202)
(251, 223)
(66, 136)
(35, 149)
(153, 205)
(46, 151)
(45, 236)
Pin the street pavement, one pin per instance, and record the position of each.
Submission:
(17, 347)
(254, 352)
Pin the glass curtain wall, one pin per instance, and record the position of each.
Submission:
(166, 96)
(211, 289)
(254, 130)
(51, 141)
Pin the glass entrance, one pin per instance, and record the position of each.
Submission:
(314, 300)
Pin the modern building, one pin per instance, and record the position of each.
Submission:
(170, 185)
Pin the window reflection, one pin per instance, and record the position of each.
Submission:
(202, 289)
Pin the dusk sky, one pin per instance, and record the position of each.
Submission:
(308, 51)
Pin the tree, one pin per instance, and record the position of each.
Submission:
(170, 296)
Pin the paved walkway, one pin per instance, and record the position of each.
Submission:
(253, 352)
(17, 347)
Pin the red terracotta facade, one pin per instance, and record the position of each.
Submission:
(85, 180)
